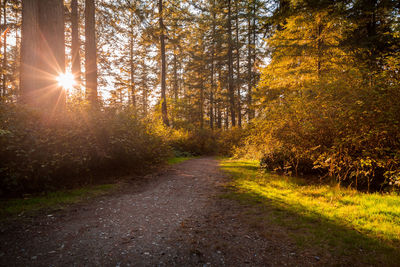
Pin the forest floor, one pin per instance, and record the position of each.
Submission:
(176, 217)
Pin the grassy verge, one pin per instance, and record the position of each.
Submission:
(51, 201)
(343, 223)
(176, 160)
(59, 199)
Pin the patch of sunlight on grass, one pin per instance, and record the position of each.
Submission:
(52, 200)
(349, 219)
(176, 160)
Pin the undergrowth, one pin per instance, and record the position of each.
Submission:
(327, 218)
(38, 153)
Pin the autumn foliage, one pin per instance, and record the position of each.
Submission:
(328, 100)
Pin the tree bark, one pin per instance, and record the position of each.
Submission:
(4, 84)
(319, 46)
(52, 51)
(219, 116)
(163, 65)
(42, 54)
(75, 46)
(219, 99)
(90, 53)
(144, 86)
(15, 65)
(254, 54)
(212, 67)
(132, 63)
(132, 74)
(176, 89)
(29, 53)
(249, 65)
(238, 81)
(202, 102)
(212, 92)
(226, 118)
(1, 90)
(231, 89)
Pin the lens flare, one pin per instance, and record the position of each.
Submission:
(66, 80)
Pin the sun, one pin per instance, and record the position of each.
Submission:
(66, 80)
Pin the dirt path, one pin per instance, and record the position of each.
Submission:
(177, 219)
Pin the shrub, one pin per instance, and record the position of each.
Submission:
(193, 142)
(38, 153)
(347, 133)
(229, 140)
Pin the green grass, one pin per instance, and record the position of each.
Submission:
(59, 199)
(176, 160)
(51, 201)
(327, 219)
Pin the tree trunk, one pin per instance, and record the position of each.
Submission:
(14, 82)
(227, 118)
(132, 64)
(202, 101)
(144, 87)
(254, 31)
(163, 65)
(175, 77)
(215, 112)
(90, 53)
(29, 52)
(4, 84)
(238, 81)
(231, 91)
(75, 46)
(1, 90)
(219, 99)
(212, 92)
(132, 74)
(219, 117)
(249, 66)
(212, 68)
(319, 46)
(52, 51)
(254, 47)
(42, 54)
